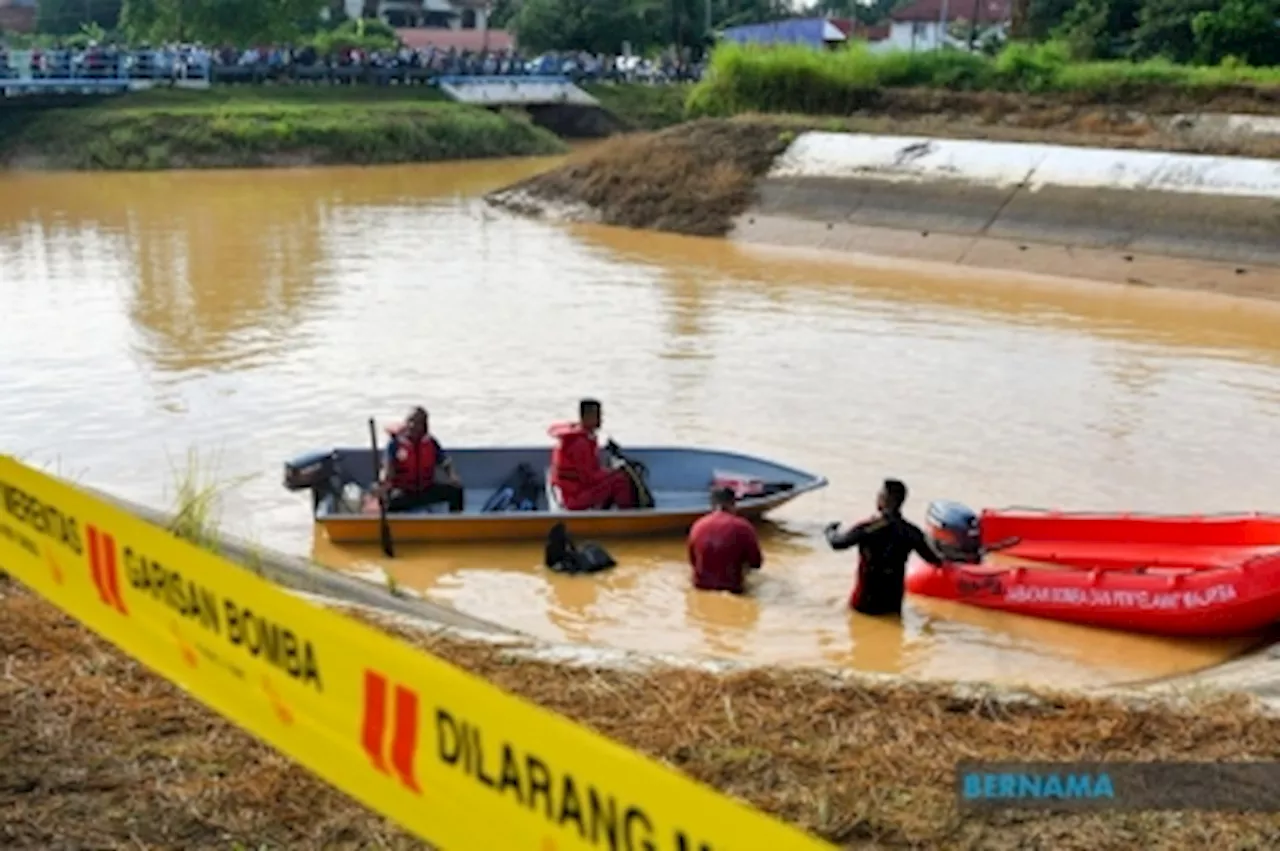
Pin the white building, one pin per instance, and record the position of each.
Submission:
(923, 25)
(451, 14)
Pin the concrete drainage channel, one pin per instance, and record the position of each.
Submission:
(1256, 673)
(1140, 218)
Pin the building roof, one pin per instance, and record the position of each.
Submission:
(443, 38)
(811, 31)
(18, 19)
(989, 11)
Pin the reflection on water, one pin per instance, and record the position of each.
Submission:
(257, 315)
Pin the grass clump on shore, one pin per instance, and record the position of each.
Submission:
(197, 501)
(798, 79)
(244, 132)
(693, 178)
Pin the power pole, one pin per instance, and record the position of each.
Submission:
(1018, 19)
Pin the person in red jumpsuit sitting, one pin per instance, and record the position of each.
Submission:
(584, 483)
(723, 546)
(409, 469)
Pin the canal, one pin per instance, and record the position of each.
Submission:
(250, 316)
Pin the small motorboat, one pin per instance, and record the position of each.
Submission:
(509, 497)
(1162, 574)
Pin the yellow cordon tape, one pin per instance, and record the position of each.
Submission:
(453, 758)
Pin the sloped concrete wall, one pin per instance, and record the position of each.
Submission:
(1046, 208)
(514, 91)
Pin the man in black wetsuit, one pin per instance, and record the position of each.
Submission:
(884, 543)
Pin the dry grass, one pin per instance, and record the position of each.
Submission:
(1063, 120)
(95, 752)
(692, 179)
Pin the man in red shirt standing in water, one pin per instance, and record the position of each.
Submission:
(884, 543)
(723, 546)
(575, 465)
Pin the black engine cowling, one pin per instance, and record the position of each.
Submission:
(955, 531)
(317, 473)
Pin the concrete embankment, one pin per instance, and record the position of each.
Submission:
(1142, 218)
(1091, 213)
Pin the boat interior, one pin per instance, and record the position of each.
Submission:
(679, 478)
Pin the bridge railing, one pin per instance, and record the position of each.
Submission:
(54, 67)
(27, 70)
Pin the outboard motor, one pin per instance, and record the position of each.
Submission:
(954, 531)
(317, 472)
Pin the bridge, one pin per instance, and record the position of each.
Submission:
(64, 72)
(515, 90)
(24, 73)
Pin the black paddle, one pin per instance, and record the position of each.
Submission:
(383, 526)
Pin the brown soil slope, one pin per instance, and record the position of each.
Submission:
(693, 178)
(95, 752)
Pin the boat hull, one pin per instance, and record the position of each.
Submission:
(524, 526)
(1176, 576)
(678, 477)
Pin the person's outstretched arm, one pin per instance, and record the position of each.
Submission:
(852, 536)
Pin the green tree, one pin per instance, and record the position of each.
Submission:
(238, 22)
(1044, 16)
(502, 13)
(1100, 29)
(65, 17)
(1164, 28)
(604, 25)
(594, 25)
(1245, 29)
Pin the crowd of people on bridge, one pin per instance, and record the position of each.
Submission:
(306, 64)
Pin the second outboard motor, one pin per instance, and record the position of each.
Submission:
(954, 531)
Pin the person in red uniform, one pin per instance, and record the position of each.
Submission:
(409, 469)
(884, 543)
(723, 546)
(585, 485)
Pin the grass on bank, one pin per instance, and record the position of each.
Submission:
(797, 79)
(644, 107)
(186, 132)
(223, 96)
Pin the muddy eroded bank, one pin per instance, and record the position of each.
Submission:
(1139, 218)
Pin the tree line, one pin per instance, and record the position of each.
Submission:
(1185, 31)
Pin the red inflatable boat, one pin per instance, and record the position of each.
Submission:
(1188, 576)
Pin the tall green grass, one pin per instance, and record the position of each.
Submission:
(744, 78)
(253, 133)
(197, 500)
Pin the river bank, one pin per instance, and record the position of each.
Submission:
(95, 750)
(261, 127)
(1137, 218)
(251, 126)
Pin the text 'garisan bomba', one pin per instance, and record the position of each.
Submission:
(252, 632)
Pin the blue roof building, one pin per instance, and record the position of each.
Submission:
(812, 32)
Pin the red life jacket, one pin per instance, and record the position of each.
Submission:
(564, 474)
(415, 464)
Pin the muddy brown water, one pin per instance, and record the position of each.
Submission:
(256, 315)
